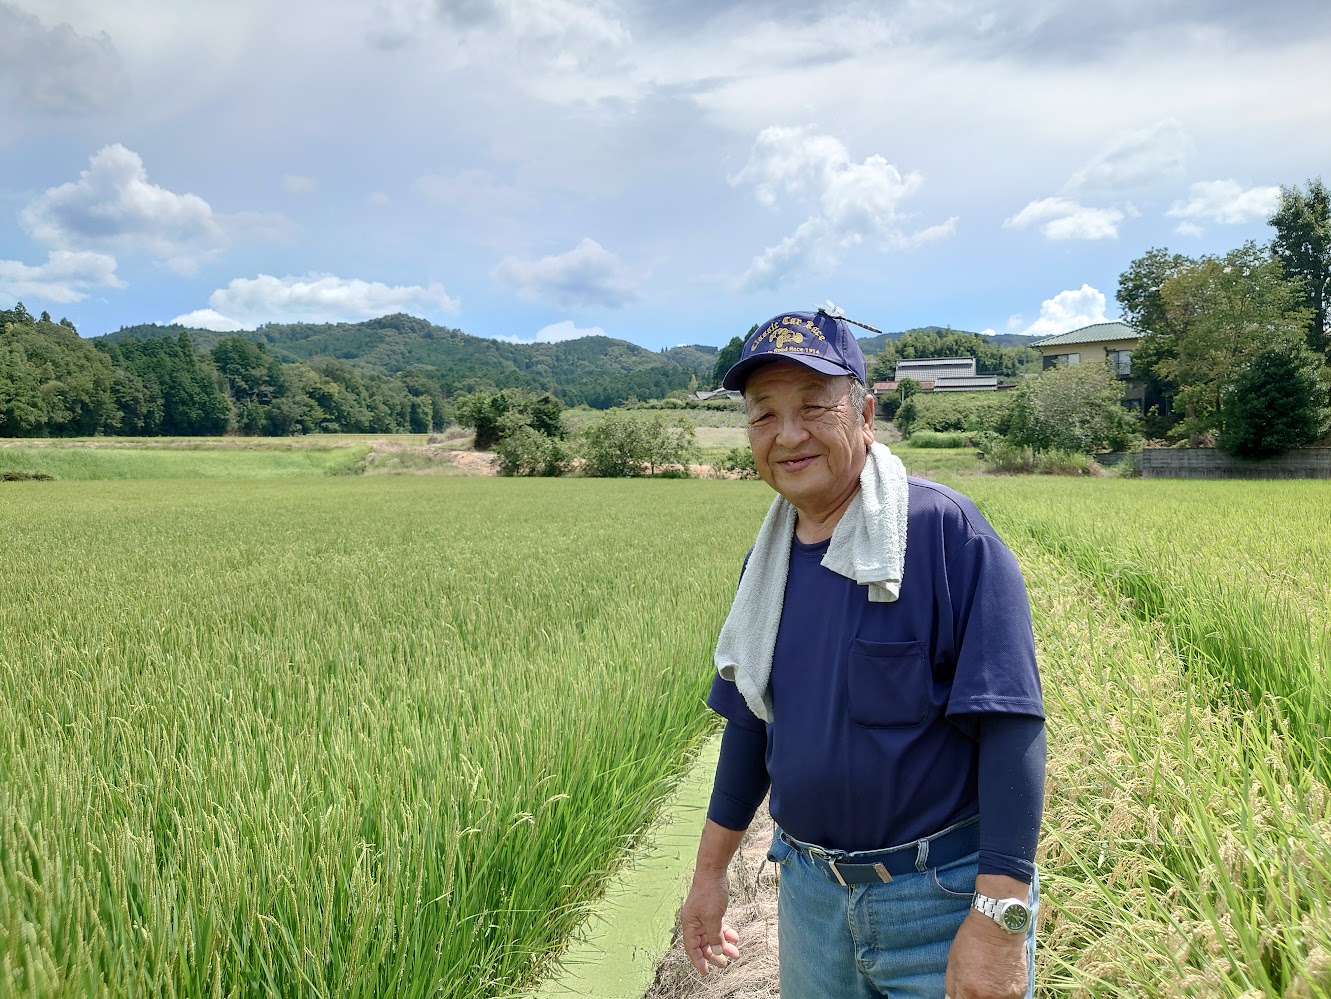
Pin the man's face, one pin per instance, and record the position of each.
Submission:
(808, 444)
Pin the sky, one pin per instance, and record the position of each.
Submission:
(664, 173)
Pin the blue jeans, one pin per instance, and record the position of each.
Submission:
(871, 940)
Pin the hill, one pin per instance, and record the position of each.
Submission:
(598, 371)
(875, 344)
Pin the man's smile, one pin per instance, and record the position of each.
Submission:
(796, 464)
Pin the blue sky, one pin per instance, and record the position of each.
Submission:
(662, 173)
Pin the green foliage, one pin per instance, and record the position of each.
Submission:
(1303, 247)
(1016, 459)
(739, 460)
(1276, 403)
(497, 414)
(52, 382)
(1074, 409)
(1223, 310)
(528, 451)
(933, 439)
(621, 445)
(951, 411)
(729, 355)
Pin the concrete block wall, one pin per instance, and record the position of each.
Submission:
(1208, 463)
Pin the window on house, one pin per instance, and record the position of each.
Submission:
(1060, 360)
(1120, 362)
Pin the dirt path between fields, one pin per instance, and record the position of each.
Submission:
(752, 912)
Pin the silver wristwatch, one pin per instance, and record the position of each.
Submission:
(1012, 914)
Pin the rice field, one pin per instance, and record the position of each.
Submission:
(1186, 849)
(385, 736)
(332, 736)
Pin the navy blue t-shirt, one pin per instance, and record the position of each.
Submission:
(874, 705)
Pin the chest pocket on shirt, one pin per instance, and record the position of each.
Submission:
(890, 684)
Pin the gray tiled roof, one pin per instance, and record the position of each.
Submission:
(1095, 333)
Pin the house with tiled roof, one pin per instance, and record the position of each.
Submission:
(1108, 343)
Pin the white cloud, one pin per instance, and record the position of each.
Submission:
(66, 276)
(1063, 218)
(57, 69)
(1224, 201)
(1189, 229)
(114, 206)
(379, 199)
(1134, 159)
(587, 275)
(1069, 310)
(854, 202)
(297, 184)
(314, 298)
(557, 333)
(565, 35)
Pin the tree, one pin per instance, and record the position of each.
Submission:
(1143, 306)
(1223, 310)
(1073, 408)
(496, 413)
(1303, 247)
(528, 451)
(1275, 404)
(666, 445)
(729, 355)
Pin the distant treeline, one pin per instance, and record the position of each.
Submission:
(55, 383)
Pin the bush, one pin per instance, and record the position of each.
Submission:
(620, 445)
(1014, 459)
(932, 438)
(739, 459)
(527, 451)
(954, 411)
(1075, 408)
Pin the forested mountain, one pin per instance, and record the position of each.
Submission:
(598, 371)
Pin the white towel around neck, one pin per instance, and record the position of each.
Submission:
(868, 545)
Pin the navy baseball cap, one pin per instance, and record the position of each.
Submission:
(817, 340)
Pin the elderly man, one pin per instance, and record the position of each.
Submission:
(878, 671)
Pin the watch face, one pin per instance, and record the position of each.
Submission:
(1015, 917)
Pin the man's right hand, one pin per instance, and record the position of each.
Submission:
(708, 941)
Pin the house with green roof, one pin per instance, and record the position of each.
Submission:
(1100, 343)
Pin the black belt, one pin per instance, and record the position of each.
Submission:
(877, 866)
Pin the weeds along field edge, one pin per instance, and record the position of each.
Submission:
(1182, 855)
(342, 736)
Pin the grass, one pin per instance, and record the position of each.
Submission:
(339, 736)
(193, 459)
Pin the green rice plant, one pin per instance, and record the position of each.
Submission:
(340, 736)
(1211, 574)
(1182, 855)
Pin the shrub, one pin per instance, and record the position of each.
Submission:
(932, 439)
(739, 459)
(954, 411)
(1013, 459)
(620, 445)
(1075, 408)
(527, 451)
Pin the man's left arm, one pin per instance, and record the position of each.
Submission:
(986, 961)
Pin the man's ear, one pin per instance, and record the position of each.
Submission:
(867, 419)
